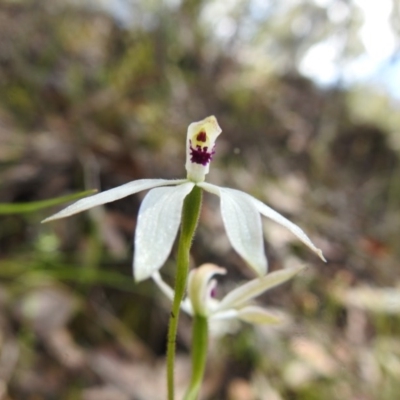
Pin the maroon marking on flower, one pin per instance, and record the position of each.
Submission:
(201, 137)
(200, 155)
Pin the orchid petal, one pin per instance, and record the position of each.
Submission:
(225, 314)
(258, 315)
(112, 195)
(200, 286)
(219, 327)
(255, 287)
(280, 219)
(158, 222)
(242, 224)
(164, 287)
(169, 292)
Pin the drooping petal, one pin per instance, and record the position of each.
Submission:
(250, 290)
(158, 222)
(169, 292)
(258, 315)
(243, 225)
(219, 327)
(200, 286)
(280, 219)
(112, 195)
(224, 314)
(200, 147)
(252, 314)
(165, 288)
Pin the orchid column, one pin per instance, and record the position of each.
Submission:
(200, 145)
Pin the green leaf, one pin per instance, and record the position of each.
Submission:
(21, 208)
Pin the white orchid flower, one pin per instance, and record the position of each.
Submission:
(236, 304)
(161, 210)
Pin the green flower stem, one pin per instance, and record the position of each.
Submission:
(199, 356)
(190, 217)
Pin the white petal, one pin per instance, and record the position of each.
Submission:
(186, 306)
(280, 219)
(243, 225)
(169, 292)
(200, 286)
(258, 315)
(219, 327)
(225, 314)
(158, 222)
(165, 288)
(255, 287)
(112, 195)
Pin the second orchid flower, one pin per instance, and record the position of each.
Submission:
(236, 304)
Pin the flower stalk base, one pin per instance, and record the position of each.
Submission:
(199, 355)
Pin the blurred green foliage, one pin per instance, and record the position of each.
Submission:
(21, 208)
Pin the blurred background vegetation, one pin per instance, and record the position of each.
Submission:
(96, 93)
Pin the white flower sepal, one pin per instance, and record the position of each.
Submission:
(161, 210)
(236, 304)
